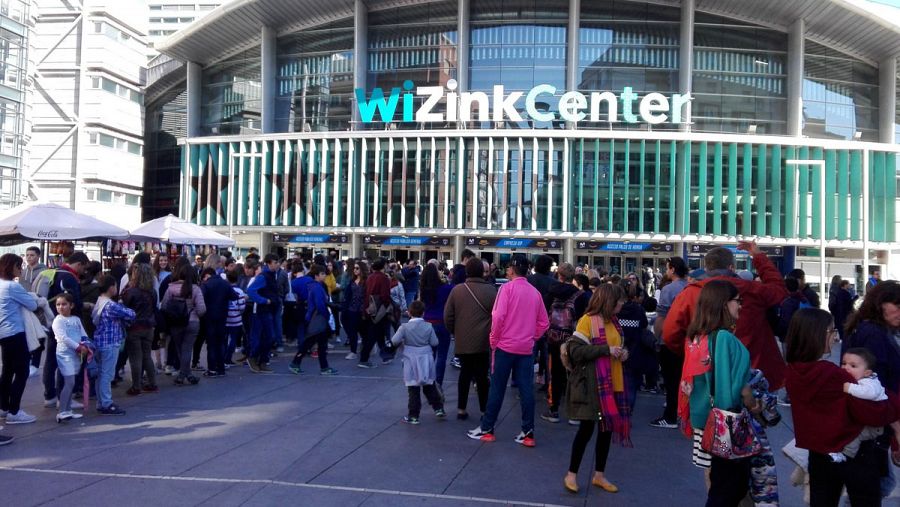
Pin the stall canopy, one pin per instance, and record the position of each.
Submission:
(171, 229)
(52, 222)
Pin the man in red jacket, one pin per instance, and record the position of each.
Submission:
(378, 288)
(752, 328)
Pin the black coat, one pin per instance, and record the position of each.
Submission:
(216, 295)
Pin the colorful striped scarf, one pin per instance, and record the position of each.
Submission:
(615, 412)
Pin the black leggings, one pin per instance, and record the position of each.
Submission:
(474, 367)
(16, 360)
(321, 340)
(582, 438)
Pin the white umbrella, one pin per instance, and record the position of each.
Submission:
(52, 222)
(171, 229)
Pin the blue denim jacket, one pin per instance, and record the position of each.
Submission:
(12, 298)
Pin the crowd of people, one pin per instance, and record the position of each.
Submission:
(714, 340)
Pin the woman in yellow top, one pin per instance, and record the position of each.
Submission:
(596, 391)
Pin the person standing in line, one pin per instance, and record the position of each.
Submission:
(808, 292)
(110, 319)
(32, 268)
(300, 289)
(874, 280)
(543, 281)
(434, 293)
(378, 296)
(64, 279)
(411, 274)
(283, 281)
(595, 395)
(263, 292)
(141, 298)
(217, 294)
(234, 325)
(467, 315)
(840, 303)
(70, 337)
(669, 362)
(184, 288)
(519, 319)
(633, 320)
(13, 344)
(353, 307)
(161, 266)
(417, 339)
(398, 300)
(316, 319)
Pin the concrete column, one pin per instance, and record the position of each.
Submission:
(462, 46)
(686, 53)
(459, 244)
(265, 243)
(194, 77)
(269, 42)
(356, 245)
(796, 49)
(887, 99)
(360, 55)
(568, 250)
(572, 50)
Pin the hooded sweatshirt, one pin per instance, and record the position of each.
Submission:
(825, 418)
(519, 318)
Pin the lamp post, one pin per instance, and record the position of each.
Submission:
(821, 165)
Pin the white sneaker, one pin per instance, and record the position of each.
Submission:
(50, 403)
(351, 356)
(22, 417)
(75, 405)
(32, 371)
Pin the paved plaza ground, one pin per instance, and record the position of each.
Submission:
(282, 439)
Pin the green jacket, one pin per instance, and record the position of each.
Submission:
(582, 403)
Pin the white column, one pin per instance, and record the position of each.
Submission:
(796, 49)
(462, 46)
(267, 52)
(568, 252)
(572, 49)
(865, 219)
(887, 99)
(194, 89)
(686, 52)
(360, 54)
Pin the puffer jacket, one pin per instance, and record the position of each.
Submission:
(466, 320)
(582, 403)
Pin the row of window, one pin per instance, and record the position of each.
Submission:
(102, 83)
(162, 32)
(103, 195)
(117, 34)
(183, 7)
(102, 139)
(172, 20)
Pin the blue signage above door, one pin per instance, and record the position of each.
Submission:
(771, 251)
(427, 241)
(310, 238)
(622, 246)
(513, 243)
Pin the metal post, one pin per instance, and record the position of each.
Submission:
(822, 198)
(360, 54)
(887, 99)
(865, 219)
(194, 90)
(267, 54)
(462, 46)
(686, 55)
(796, 48)
(572, 47)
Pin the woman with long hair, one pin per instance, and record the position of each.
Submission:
(13, 345)
(184, 288)
(354, 305)
(595, 394)
(140, 297)
(161, 266)
(713, 354)
(434, 293)
(825, 417)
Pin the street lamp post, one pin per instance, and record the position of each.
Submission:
(821, 165)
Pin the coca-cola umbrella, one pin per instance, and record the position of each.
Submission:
(36, 221)
(171, 229)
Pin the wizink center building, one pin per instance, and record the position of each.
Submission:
(616, 133)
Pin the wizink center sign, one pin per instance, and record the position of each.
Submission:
(572, 106)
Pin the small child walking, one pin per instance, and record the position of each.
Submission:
(69, 334)
(419, 372)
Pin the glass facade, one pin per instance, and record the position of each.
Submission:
(840, 95)
(628, 44)
(546, 184)
(13, 67)
(232, 95)
(739, 77)
(165, 124)
(417, 44)
(520, 44)
(315, 79)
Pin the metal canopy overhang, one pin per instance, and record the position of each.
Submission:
(850, 26)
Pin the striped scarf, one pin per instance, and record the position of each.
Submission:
(615, 412)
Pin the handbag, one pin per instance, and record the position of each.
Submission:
(376, 311)
(317, 324)
(727, 434)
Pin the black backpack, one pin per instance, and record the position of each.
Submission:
(176, 312)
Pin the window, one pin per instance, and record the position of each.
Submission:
(91, 194)
(155, 8)
(109, 141)
(119, 89)
(104, 195)
(132, 200)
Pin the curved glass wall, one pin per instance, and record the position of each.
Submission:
(520, 44)
(232, 95)
(627, 44)
(739, 77)
(315, 79)
(417, 44)
(840, 95)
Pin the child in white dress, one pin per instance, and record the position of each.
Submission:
(69, 335)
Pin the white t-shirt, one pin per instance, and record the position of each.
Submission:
(868, 388)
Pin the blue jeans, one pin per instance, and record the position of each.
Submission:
(234, 337)
(443, 336)
(522, 369)
(411, 296)
(278, 325)
(106, 358)
(262, 336)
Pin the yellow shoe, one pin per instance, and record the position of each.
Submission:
(570, 485)
(605, 486)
